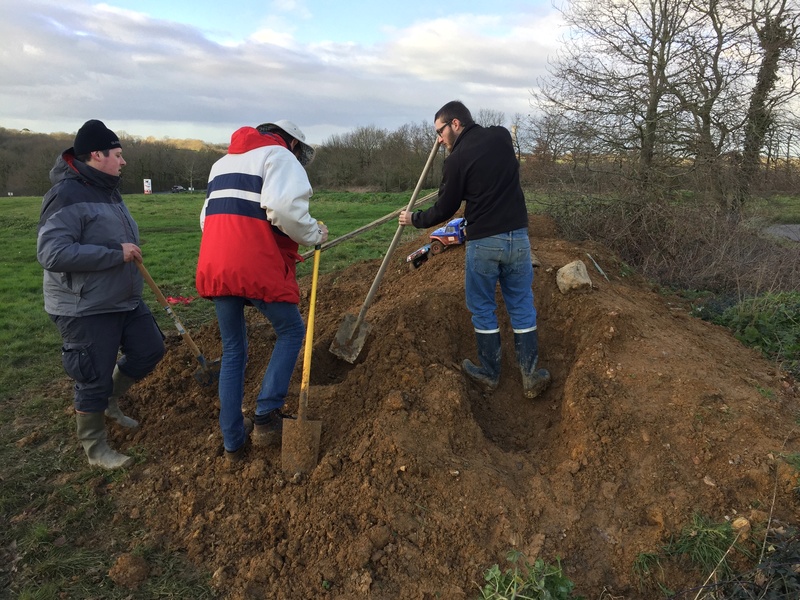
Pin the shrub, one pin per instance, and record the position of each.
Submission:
(526, 581)
(769, 323)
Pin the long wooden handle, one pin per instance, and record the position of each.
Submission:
(368, 226)
(395, 240)
(163, 302)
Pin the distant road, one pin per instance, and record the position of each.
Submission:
(790, 232)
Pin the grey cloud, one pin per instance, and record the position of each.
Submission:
(65, 62)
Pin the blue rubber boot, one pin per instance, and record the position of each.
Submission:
(488, 373)
(534, 381)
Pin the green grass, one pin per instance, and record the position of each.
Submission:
(704, 544)
(778, 209)
(769, 323)
(169, 227)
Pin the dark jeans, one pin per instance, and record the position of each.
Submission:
(90, 346)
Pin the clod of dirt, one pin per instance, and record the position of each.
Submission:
(129, 571)
(424, 481)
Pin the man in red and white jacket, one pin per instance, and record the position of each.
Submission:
(254, 218)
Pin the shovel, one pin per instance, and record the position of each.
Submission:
(300, 438)
(208, 373)
(353, 331)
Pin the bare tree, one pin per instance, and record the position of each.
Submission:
(488, 117)
(644, 87)
(610, 80)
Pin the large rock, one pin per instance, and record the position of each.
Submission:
(573, 277)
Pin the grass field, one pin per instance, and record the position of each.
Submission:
(170, 239)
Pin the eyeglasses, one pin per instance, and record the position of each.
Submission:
(442, 128)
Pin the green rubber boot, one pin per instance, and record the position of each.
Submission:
(122, 383)
(93, 437)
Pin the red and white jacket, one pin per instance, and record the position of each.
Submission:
(253, 220)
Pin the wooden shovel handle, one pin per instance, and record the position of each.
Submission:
(163, 302)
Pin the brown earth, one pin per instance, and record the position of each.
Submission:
(424, 481)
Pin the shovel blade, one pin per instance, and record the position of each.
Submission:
(300, 445)
(349, 341)
(208, 373)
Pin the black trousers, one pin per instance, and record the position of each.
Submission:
(91, 348)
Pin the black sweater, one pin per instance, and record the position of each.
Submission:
(482, 170)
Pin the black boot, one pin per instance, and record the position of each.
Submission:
(488, 373)
(534, 381)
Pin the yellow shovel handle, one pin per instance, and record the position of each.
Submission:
(303, 401)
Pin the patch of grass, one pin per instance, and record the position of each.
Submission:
(58, 537)
(526, 581)
(704, 544)
(778, 209)
(711, 549)
(644, 567)
(769, 323)
(793, 460)
(767, 393)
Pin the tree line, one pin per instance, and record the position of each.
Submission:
(368, 158)
(26, 159)
(646, 100)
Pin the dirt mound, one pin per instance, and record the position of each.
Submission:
(424, 482)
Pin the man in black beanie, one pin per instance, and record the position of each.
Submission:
(88, 245)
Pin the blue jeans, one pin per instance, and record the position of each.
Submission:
(290, 330)
(505, 258)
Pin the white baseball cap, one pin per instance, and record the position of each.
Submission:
(306, 151)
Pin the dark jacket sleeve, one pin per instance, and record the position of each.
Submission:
(451, 194)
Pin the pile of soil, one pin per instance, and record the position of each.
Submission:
(424, 481)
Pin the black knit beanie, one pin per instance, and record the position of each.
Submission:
(94, 135)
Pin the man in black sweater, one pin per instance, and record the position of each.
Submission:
(482, 171)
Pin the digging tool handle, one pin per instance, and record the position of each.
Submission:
(302, 404)
(385, 219)
(395, 240)
(163, 302)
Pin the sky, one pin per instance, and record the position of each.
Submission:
(201, 69)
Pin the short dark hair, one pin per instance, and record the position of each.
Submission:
(454, 109)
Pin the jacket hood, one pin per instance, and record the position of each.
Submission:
(63, 167)
(245, 139)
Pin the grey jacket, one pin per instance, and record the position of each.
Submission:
(82, 227)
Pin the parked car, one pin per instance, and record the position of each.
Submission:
(176, 189)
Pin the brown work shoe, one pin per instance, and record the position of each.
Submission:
(269, 428)
(238, 454)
